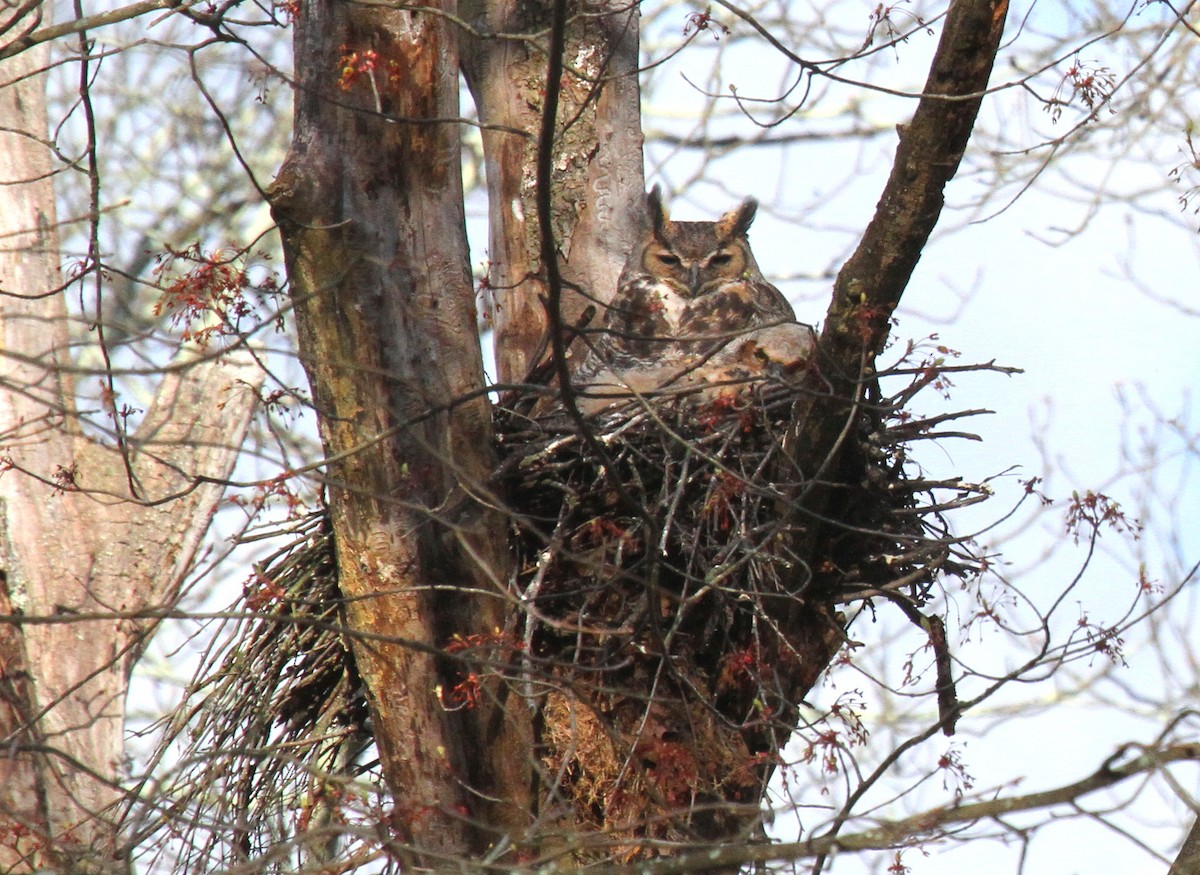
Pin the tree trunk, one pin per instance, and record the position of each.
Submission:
(81, 559)
(369, 202)
(596, 161)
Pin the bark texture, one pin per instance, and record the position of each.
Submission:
(81, 558)
(596, 161)
(369, 202)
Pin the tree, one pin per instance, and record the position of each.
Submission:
(133, 504)
(370, 208)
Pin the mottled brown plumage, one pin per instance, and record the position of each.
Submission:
(692, 314)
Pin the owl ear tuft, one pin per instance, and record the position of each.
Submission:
(659, 217)
(737, 221)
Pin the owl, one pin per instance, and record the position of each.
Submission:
(692, 315)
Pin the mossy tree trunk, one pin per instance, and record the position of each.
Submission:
(369, 203)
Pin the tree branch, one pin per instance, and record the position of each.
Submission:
(927, 824)
(64, 550)
(1187, 862)
(78, 25)
(596, 155)
(869, 286)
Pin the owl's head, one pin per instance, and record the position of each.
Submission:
(696, 257)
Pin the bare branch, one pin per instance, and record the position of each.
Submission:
(78, 25)
(909, 831)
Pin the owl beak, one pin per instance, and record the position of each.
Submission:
(694, 278)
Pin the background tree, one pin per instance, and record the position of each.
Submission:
(101, 530)
(378, 270)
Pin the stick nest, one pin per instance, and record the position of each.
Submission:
(678, 578)
(681, 566)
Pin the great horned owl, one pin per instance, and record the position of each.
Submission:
(692, 311)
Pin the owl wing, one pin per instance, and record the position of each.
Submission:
(636, 350)
(769, 303)
(751, 332)
(737, 307)
(655, 342)
(774, 353)
(637, 324)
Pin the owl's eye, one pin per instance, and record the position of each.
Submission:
(668, 259)
(720, 259)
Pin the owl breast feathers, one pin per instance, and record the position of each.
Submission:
(692, 315)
